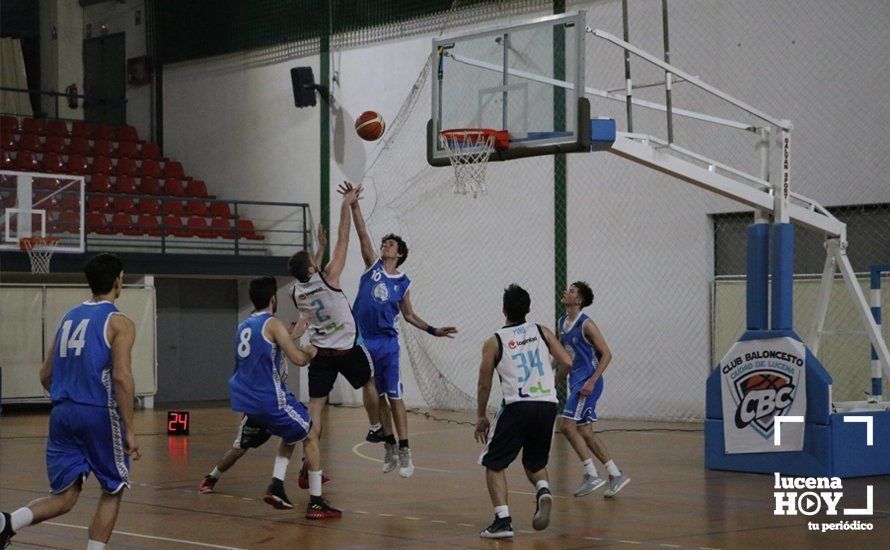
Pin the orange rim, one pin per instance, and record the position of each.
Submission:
(28, 243)
(501, 137)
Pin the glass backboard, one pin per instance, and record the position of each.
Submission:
(41, 205)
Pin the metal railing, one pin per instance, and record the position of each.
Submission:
(57, 95)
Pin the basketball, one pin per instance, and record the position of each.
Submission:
(370, 126)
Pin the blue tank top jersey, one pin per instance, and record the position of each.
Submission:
(377, 303)
(82, 357)
(584, 357)
(256, 385)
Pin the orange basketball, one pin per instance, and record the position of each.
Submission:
(370, 126)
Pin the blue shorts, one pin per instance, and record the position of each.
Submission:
(580, 408)
(84, 439)
(385, 355)
(291, 423)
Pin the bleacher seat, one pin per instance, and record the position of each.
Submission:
(150, 151)
(127, 167)
(125, 205)
(30, 142)
(32, 126)
(123, 223)
(174, 188)
(27, 162)
(220, 210)
(105, 131)
(150, 186)
(100, 183)
(55, 144)
(9, 124)
(102, 165)
(98, 204)
(125, 185)
(246, 230)
(80, 146)
(69, 221)
(56, 127)
(127, 133)
(7, 141)
(127, 149)
(45, 183)
(103, 148)
(173, 226)
(96, 223)
(197, 188)
(148, 225)
(151, 168)
(52, 162)
(81, 130)
(196, 208)
(222, 228)
(149, 206)
(69, 201)
(197, 227)
(77, 164)
(6, 162)
(173, 169)
(173, 207)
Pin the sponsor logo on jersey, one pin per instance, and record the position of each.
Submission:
(305, 295)
(513, 343)
(380, 292)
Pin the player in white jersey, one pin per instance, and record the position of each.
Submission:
(591, 355)
(332, 326)
(520, 352)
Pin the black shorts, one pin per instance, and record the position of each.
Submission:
(354, 364)
(527, 426)
(250, 434)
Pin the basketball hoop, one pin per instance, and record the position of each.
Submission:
(469, 150)
(40, 251)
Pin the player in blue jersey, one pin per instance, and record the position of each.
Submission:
(590, 357)
(384, 294)
(87, 374)
(258, 391)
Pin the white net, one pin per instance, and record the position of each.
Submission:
(40, 252)
(468, 153)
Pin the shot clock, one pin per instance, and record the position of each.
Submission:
(177, 422)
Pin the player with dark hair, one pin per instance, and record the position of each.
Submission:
(258, 392)
(520, 352)
(383, 294)
(88, 376)
(590, 356)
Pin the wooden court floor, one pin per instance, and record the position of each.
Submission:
(671, 502)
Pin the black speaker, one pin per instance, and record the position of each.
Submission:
(304, 86)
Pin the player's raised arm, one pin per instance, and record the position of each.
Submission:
(122, 335)
(369, 255)
(298, 355)
(322, 240)
(556, 348)
(413, 319)
(483, 390)
(595, 337)
(338, 257)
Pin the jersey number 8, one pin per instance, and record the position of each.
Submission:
(244, 343)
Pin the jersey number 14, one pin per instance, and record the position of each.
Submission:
(74, 340)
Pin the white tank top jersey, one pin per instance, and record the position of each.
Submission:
(524, 364)
(331, 323)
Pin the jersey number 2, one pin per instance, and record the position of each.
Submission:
(533, 362)
(73, 341)
(319, 307)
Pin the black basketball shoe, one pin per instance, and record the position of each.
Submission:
(501, 528)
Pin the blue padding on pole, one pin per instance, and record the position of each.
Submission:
(602, 133)
(877, 388)
(757, 289)
(782, 241)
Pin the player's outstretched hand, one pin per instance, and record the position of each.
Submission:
(299, 327)
(446, 332)
(482, 426)
(131, 446)
(351, 194)
(344, 188)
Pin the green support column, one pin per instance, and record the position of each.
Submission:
(324, 79)
(560, 172)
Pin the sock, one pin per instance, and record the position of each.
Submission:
(403, 444)
(280, 467)
(502, 511)
(542, 484)
(375, 427)
(215, 473)
(391, 439)
(21, 518)
(589, 467)
(315, 483)
(612, 469)
(95, 545)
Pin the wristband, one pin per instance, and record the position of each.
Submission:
(431, 329)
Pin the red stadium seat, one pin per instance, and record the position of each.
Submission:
(127, 133)
(9, 124)
(196, 208)
(150, 151)
(45, 183)
(7, 141)
(173, 207)
(173, 226)
(100, 183)
(6, 162)
(173, 169)
(148, 225)
(126, 185)
(56, 127)
(30, 142)
(125, 205)
(27, 162)
(127, 149)
(98, 204)
(80, 146)
(196, 188)
(103, 148)
(149, 206)
(82, 130)
(32, 126)
(247, 231)
(52, 162)
(220, 210)
(150, 186)
(123, 223)
(96, 223)
(77, 164)
(56, 144)
(102, 165)
(174, 188)
(69, 221)
(151, 168)
(70, 201)
(127, 167)
(105, 131)
(222, 228)
(198, 227)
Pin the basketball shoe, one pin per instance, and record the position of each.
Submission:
(319, 508)
(616, 483)
(589, 484)
(544, 500)
(6, 533)
(406, 465)
(276, 497)
(207, 484)
(501, 528)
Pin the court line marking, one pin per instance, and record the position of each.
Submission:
(372, 459)
(630, 541)
(151, 537)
